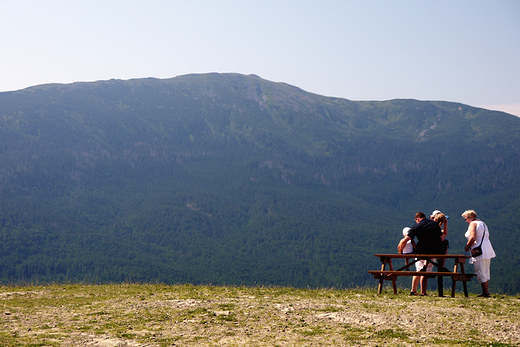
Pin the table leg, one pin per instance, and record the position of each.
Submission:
(394, 284)
(440, 284)
(381, 279)
(453, 287)
(464, 284)
(454, 282)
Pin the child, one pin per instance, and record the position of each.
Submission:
(409, 248)
(410, 245)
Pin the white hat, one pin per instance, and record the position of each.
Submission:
(435, 212)
(405, 231)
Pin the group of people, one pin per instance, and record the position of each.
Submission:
(431, 234)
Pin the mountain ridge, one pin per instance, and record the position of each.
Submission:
(227, 178)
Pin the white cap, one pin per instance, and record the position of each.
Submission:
(435, 212)
(405, 231)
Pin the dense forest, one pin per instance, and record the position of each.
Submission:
(232, 179)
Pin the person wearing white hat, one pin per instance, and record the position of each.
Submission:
(409, 248)
(434, 213)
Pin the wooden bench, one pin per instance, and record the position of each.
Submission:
(391, 274)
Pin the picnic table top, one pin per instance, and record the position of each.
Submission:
(423, 255)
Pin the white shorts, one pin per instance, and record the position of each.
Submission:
(482, 271)
(421, 263)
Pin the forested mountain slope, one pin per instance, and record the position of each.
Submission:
(232, 179)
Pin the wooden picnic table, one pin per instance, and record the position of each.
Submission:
(391, 274)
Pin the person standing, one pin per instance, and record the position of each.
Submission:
(442, 219)
(428, 234)
(478, 235)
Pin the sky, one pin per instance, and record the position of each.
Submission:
(465, 51)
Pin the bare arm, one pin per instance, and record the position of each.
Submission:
(472, 236)
(402, 243)
(444, 230)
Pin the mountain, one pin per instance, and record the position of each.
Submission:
(232, 179)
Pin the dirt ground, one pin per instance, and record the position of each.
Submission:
(220, 316)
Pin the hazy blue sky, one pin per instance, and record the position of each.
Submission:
(463, 51)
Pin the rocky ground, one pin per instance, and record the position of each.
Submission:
(160, 315)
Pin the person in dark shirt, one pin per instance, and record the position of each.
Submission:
(428, 234)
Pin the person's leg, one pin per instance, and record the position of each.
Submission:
(481, 268)
(415, 283)
(442, 262)
(424, 279)
(424, 285)
(484, 275)
(485, 288)
(416, 279)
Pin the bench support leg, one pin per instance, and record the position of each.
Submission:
(381, 281)
(382, 278)
(454, 283)
(453, 288)
(385, 261)
(394, 278)
(380, 288)
(465, 286)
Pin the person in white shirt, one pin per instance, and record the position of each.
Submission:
(478, 235)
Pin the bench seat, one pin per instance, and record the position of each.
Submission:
(454, 275)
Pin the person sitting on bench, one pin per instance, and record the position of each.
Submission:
(409, 247)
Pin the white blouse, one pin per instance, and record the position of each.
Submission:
(487, 250)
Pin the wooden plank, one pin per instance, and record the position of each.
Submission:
(445, 256)
(417, 273)
(457, 276)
